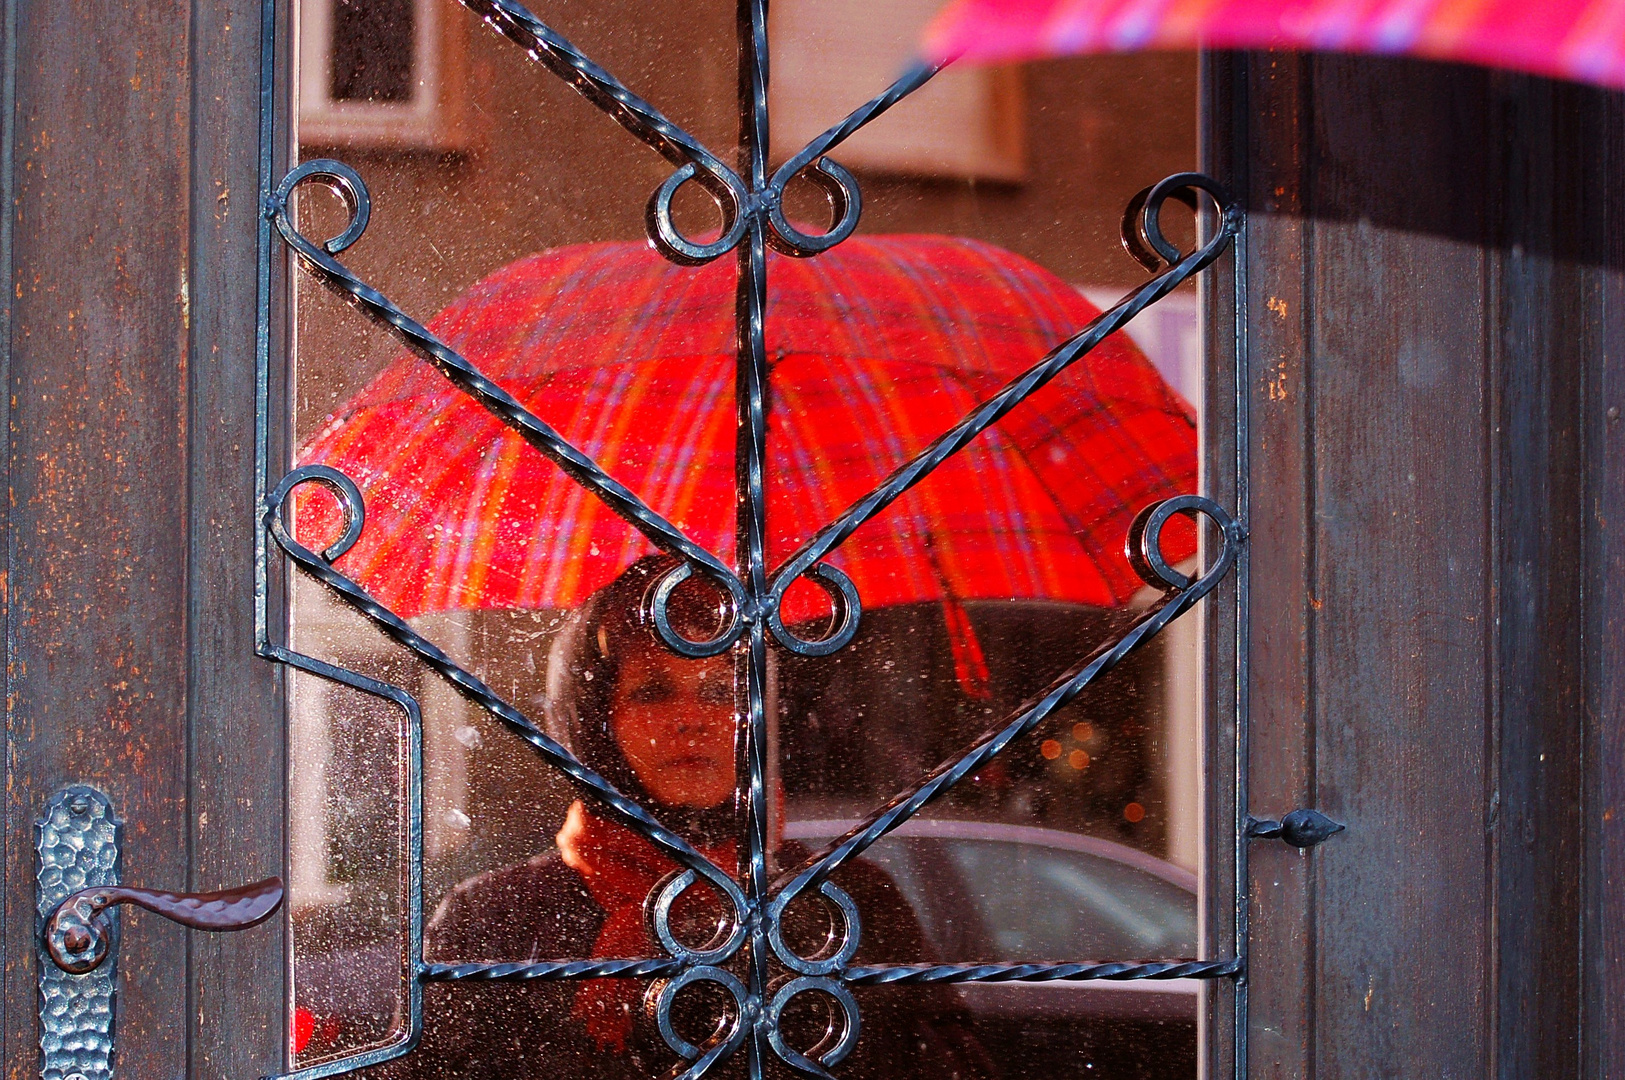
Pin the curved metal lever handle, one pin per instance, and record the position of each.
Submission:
(77, 934)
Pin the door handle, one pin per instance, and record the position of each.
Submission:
(78, 937)
(77, 896)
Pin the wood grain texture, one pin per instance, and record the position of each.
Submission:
(1603, 936)
(1447, 233)
(1401, 576)
(97, 560)
(1538, 311)
(1282, 506)
(1221, 613)
(237, 981)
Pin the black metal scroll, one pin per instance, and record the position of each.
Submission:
(748, 959)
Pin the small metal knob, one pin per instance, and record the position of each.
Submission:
(1300, 828)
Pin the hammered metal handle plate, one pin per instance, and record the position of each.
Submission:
(77, 842)
(78, 894)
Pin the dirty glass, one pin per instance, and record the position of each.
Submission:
(508, 214)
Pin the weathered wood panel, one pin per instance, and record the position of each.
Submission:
(237, 1026)
(1221, 613)
(1537, 312)
(1280, 512)
(1443, 230)
(97, 558)
(1602, 216)
(1401, 582)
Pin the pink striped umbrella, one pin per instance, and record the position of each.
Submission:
(1570, 39)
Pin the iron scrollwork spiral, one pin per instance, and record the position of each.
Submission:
(751, 941)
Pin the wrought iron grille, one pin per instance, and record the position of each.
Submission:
(750, 200)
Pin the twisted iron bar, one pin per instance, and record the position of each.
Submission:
(753, 221)
(553, 970)
(472, 687)
(915, 974)
(1178, 599)
(750, 520)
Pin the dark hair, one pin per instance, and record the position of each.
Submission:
(583, 668)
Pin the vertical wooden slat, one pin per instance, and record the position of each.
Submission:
(1224, 99)
(1282, 541)
(98, 547)
(1537, 315)
(236, 812)
(1603, 406)
(1401, 584)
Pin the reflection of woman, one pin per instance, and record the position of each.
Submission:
(661, 729)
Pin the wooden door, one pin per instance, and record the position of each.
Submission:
(1425, 311)
(131, 134)
(1428, 324)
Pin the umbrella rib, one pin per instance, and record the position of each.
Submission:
(579, 466)
(994, 408)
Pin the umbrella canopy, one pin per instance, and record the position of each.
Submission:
(1571, 39)
(875, 347)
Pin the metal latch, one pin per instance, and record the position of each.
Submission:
(1300, 828)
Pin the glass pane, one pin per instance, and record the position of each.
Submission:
(508, 214)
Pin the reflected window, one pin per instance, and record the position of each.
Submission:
(830, 54)
(388, 74)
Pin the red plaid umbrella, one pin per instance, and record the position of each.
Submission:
(876, 347)
(1570, 39)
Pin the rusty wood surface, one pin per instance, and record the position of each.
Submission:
(1430, 523)
(98, 546)
(237, 983)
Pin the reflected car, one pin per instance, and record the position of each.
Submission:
(986, 892)
(982, 892)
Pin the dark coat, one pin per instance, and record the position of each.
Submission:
(541, 910)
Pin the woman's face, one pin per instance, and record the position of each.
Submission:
(674, 720)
